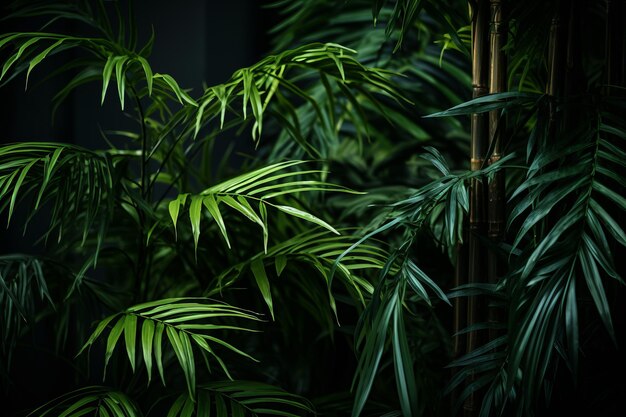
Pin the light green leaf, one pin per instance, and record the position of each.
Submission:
(258, 270)
(292, 211)
(130, 335)
(195, 212)
(41, 56)
(112, 340)
(120, 76)
(174, 207)
(147, 335)
(212, 206)
(187, 365)
(147, 71)
(158, 356)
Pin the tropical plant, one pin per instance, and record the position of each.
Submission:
(385, 278)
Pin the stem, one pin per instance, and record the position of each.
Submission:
(496, 192)
(142, 269)
(479, 135)
(145, 186)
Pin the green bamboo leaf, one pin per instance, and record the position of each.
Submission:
(240, 183)
(195, 212)
(188, 408)
(545, 206)
(403, 364)
(99, 329)
(120, 76)
(49, 168)
(428, 281)
(451, 217)
(263, 213)
(130, 335)
(246, 77)
(107, 72)
(147, 335)
(174, 410)
(112, 339)
(220, 407)
(41, 56)
(435, 157)
(24, 171)
(77, 405)
(158, 356)
(257, 110)
(147, 71)
(280, 262)
(607, 192)
(102, 412)
(372, 352)
(199, 115)
(596, 289)
(489, 103)
(187, 365)
(174, 208)
(189, 358)
(571, 323)
(292, 211)
(611, 225)
(564, 224)
(9, 62)
(258, 270)
(418, 287)
(212, 206)
(181, 95)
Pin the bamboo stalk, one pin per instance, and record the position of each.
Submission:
(479, 142)
(496, 217)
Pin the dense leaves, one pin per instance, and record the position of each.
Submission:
(325, 264)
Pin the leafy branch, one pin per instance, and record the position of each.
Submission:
(187, 322)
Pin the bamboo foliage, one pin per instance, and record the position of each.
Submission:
(174, 259)
(94, 399)
(228, 398)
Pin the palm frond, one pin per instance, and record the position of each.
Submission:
(94, 400)
(187, 322)
(22, 287)
(72, 180)
(441, 205)
(258, 84)
(259, 188)
(314, 248)
(383, 330)
(106, 56)
(563, 214)
(240, 398)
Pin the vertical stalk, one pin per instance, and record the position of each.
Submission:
(479, 142)
(495, 208)
(143, 254)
